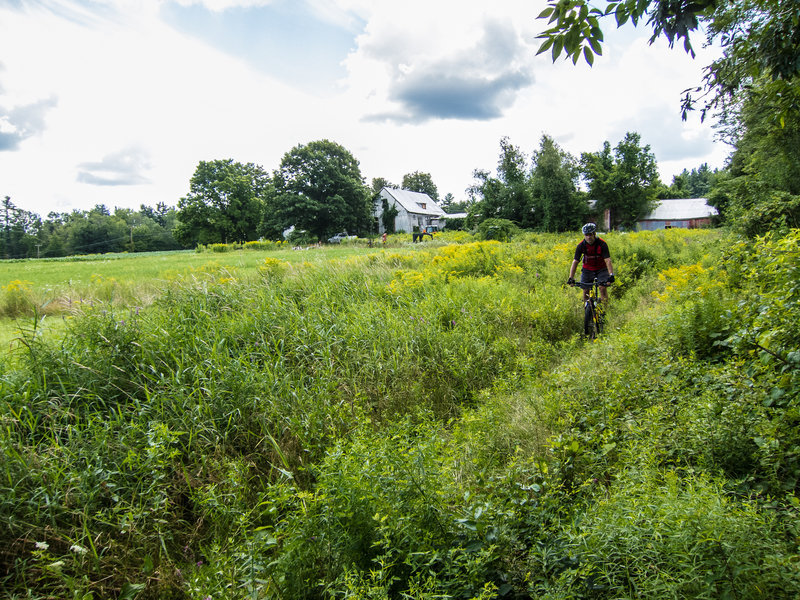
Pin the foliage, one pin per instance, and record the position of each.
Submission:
(500, 230)
(318, 187)
(767, 270)
(554, 184)
(16, 298)
(508, 196)
(759, 39)
(223, 205)
(663, 535)
(388, 215)
(762, 190)
(695, 184)
(420, 182)
(20, 230)
(625, 183)
(544, 197)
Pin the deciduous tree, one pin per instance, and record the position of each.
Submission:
(554, 183)
(319, 188)
(224, 203)
(625, 183)
(421, 182)
(507, 196)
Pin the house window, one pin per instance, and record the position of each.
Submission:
(422, 205)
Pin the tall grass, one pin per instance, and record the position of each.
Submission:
(420, 421)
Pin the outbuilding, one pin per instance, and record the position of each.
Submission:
(688, 213)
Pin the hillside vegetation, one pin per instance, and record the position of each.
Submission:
(417, 423)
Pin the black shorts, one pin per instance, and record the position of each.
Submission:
(588, 276)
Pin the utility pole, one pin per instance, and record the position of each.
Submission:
(37, 250)
(132, 224)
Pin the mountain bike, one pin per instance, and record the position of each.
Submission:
(593, 313)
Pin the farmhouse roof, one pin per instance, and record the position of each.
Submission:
(413, 202)
(681, 209)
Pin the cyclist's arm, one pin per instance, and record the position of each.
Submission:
(573, 268)
(609, 266)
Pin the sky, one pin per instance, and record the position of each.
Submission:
(117, 102)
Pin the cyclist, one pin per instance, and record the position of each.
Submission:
(596, 262)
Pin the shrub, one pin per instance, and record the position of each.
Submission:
(17, 299)
(500, 230)
(662, 536)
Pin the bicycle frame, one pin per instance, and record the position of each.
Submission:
(592, 316)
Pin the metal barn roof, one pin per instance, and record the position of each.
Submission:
(412, 202)
(680, 209)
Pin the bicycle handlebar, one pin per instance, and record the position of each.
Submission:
(586, 286)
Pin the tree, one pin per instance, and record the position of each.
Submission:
(421, 182)
(760, 39)
(761, 190)
(694, 184)
(318, 188)
(625, 184)
(378, 183)
(507, 196)
(449, 204)
(21, 231)
(224, 203)
(150, 230)
(554, 180)
(95, 232)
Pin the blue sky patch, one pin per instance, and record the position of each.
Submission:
(283, 39)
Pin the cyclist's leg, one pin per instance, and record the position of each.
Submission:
(587, 277)
(602, 277)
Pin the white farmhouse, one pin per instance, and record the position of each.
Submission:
(414, 210)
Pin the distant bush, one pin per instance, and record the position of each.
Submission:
(500, 230)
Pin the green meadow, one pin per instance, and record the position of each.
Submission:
(414, 421)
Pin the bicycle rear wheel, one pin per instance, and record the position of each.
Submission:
(589, 322)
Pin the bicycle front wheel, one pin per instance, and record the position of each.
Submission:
(589, 322)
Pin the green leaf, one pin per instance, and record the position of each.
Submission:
(545, 46)
(621, 14)
(587, 54)
(546, 12)
(558, 45)
(131, 590)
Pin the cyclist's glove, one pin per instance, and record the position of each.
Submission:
(570, 281)
(611, 279)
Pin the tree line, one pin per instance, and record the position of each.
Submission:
(318, 190)
(25, 234)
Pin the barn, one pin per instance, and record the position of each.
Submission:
(687, 213)
(415, 211)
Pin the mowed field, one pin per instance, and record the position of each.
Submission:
(54, 288)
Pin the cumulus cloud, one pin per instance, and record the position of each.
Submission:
(22, 122)
(426, 77)
(125, 167)
(668, 136)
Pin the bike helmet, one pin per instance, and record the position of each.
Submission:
(589, 228)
